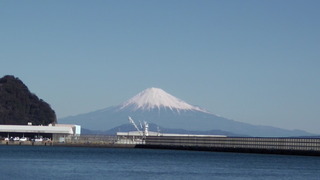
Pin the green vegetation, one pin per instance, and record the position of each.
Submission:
(18, 105)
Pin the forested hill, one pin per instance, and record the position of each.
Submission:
(18, 105)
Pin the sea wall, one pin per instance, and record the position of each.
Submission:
(95, 141)
(289, 146)
(294, 146)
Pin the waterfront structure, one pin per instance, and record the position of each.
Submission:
(139, 136)
(280, 145)
(135, 137)
(58, 132)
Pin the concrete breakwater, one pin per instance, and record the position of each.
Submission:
(77, 141)
(292, 146)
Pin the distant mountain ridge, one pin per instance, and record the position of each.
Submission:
(156, 106)
(156, 128)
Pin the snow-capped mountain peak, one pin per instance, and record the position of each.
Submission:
(152, 98)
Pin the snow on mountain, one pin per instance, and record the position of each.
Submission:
(156, 98)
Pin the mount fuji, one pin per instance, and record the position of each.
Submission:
(158, 107)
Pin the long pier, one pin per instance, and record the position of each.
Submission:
(289, 146)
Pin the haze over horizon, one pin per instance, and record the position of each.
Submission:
(252, 61)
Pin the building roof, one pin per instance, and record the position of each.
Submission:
(150, 133)
(61, 129)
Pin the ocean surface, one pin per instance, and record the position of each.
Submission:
(50, 162)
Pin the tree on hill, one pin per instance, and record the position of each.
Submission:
(18, 105)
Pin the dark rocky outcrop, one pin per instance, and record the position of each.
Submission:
(18, 105)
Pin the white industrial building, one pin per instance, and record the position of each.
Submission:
(57, 131)
(150, 133)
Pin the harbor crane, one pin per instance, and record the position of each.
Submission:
(145, 127)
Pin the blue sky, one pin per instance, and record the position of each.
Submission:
(251, 61)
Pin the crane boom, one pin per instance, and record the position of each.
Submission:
(134, 124)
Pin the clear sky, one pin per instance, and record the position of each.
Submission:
(252, 61)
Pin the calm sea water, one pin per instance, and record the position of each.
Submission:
(43, 162)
